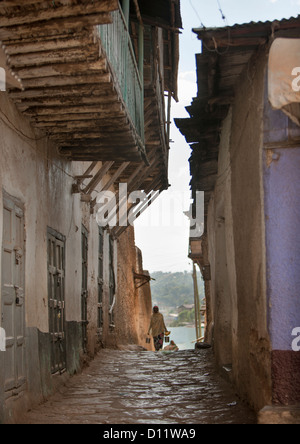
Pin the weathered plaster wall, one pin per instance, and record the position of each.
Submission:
(253, 348)
(133, 306)
(144, 304)
(222, 286)
(236, 239)
(31, 171)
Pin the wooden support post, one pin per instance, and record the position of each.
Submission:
(112, 180)
(169, 117)
(87, 173)
(126, 10)
(138, 211)
(98, 177)
(197, 304)
(134, 182)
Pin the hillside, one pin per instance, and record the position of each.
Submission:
(174, 289)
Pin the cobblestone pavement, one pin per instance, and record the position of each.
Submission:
(125, 387)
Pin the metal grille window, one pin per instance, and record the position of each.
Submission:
(118, 46)
(56, 299)
(112, 283)
(100, 280)
(12, 297)
(84, 287)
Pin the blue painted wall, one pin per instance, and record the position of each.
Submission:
(282, 216)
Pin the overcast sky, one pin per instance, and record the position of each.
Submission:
(162, 232)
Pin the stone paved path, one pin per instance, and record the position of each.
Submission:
(122, 387)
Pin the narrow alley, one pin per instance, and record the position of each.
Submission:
(136, 387)
(114, 109)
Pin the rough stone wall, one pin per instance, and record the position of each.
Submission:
(144, 303)
(133, 306)
(124, 311)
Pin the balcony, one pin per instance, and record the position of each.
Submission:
(127, 76)
(96, 90)
(81, 83)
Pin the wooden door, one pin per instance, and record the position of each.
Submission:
(84, 286)
(56, 297)
(100, 280)
(112, 283)
(13, 297)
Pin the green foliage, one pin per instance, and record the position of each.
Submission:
(174, 289)
(185, 317)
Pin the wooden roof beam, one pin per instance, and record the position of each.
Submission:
(134, 182)
(112, 180)
(54, 43)
(137, 212)
(26, 104)
(98, 177)
(86, 127)
(81, 117)
(83, 149)
(78, 121)
(54, 26)
(113, 111)
(14, 3)
(115, 138)
(58, 12)
(104, 156)
(64, 80)
(81, 54)
(64, 69)
(63, 91)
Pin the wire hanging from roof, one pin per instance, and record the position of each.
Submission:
(196, 12)
(224, 18)
(222, 13)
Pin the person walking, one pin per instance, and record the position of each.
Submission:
(158, 328)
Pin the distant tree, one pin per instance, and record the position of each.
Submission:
(174, 289)
(185, 317)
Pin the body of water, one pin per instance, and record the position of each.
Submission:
(183, 337)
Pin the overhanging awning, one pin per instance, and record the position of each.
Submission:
(284, 77)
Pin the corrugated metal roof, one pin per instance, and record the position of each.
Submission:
(251, 25)
(226, 53)
(253, 30)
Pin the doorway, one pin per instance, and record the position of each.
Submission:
(56, 296)
(13, 296)
(84, 286)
